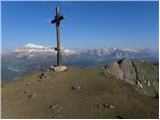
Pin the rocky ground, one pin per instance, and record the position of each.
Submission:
(75, 93)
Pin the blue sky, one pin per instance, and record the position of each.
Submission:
(87, 24)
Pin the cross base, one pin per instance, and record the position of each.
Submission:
(59, 68)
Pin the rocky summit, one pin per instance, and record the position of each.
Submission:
(79, 93)
(141, 73)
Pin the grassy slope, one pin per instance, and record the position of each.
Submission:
(95, 88)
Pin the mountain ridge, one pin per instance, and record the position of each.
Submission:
(99, 52)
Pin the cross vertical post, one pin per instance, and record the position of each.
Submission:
(58, 38)
(57, 20)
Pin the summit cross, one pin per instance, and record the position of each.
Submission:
(57, 19)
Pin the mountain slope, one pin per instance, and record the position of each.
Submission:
(76, 93)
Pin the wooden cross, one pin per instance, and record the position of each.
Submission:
(57, 19)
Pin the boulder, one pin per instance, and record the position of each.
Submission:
(110, 106)
(55, 107)
(141, 73)
(43, 75)
(114, 69)
(75, 88)
(32, 95)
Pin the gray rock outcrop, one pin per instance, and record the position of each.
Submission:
(141, 73)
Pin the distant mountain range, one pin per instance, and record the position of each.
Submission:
(33, 57)
(33, 50)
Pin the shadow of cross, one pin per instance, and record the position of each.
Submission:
(57, 19)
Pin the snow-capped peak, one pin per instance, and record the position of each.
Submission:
(31, 45)
(131, 50)
(30, 48)
(34, 50)
(109, 51)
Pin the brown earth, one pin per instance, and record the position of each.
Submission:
(76, 93)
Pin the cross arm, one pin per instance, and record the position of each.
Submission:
(53, 21)
(57, 20)
(61, 17)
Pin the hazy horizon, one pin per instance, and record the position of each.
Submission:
(78, 50)
(87, 24)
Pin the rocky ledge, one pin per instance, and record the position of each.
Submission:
(143, 74)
